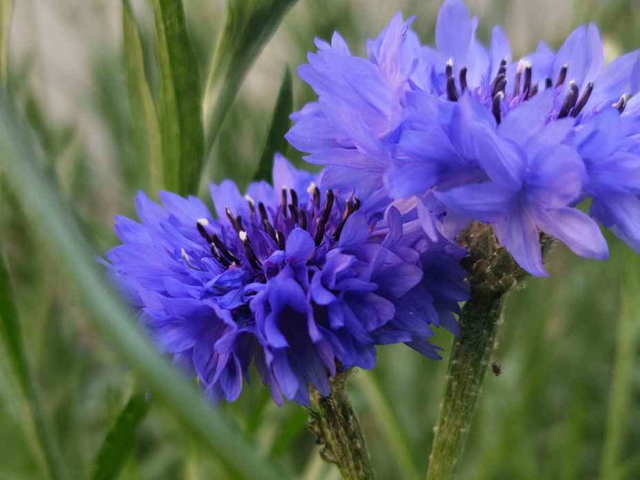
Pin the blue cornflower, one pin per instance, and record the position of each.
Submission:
(293, 279)
(483, 137)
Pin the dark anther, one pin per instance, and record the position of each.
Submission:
(452, 91)
(569, 101)
(216, 254)
(463, 79)
(233, 221)
(316, 197)
(527, 82)
(239, 222)
(303, 218)
(448, 70)
(294, 213)
(516, 87)
(534, 91)
(284, 202)
(252, 205)
(265, 221)
(502, 70)
(280, 239)
(583, 100)
(269, 229)
(548, 83)
(293, 207)
(223, 250)
(203, 232)
(263, 212)
(495, 107)
(248, 250)
(348, 210)
(622, 103)
(324, 218)
(562, 76)
(499, 83)
(356, 204)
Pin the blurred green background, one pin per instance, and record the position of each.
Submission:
(567, 404)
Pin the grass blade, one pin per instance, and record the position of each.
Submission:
(110, 316)
(146, 129)
(279, 126)
(11, 332)
(180, 112)
(6, 10)
(249, 26)
(119, 442)
(626, 348)
(388, 424)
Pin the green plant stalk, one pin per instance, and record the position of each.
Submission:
(470, 356)
(12, 334)
(335, 425)
(622, 384)
(492, 273)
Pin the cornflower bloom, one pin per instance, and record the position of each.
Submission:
(293, 279)
(478, 136)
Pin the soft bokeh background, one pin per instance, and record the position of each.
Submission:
(567, 348)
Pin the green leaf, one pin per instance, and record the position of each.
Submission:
(388, 424)
(110, 316)
(146, 129)
(249, 26)
(621, 391)
(6, 10)
(279, 126)
(12, 335)
(119, 442)
(180, 112)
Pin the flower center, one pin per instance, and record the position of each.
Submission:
(266, 230)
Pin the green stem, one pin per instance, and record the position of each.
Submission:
(11, 333)
(622, 384)
(336, 426)
(492, 273)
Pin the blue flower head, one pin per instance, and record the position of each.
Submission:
(291, 278)
(476, 135)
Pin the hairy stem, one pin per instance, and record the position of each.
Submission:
(470, 356)
(335, 425)
(492, 273)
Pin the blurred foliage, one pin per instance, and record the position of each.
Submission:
(569, 394)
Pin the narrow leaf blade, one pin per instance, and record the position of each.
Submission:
(119, 442)
(111, 317)
(6, 10)
(180, 120)
(146, 129)
(12, 335)
(279, 126)
(249, 26)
